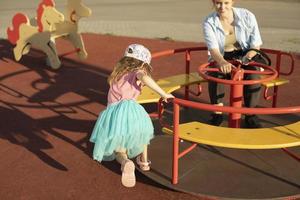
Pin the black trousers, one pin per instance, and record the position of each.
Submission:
(251, 92)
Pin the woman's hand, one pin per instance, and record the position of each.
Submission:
(225, 67)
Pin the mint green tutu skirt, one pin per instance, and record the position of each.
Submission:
(123, 125)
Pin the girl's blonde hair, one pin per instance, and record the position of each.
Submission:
(126, 65)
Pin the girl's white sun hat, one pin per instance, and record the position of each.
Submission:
(138, 52)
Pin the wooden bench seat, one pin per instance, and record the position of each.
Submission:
(261, 138)
(172, 83)
(169, 84)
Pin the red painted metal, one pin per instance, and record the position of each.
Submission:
(236, 98)
(268, 97)
(160, 108)
(187, 71)
(187, 61)
(174, 51)
(236, 85)
(277, 53)
(292, 64)
(187, 150)
(291, 154)
(199, 90)
(70, 52)
(186, 103)
(274, 97)
(153, 115)
(269, 71)
(228, 109)
(187, 52)
(175, 143)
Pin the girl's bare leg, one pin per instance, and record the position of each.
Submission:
(121, 156)
(127, 167)
(144, 157)
(142, 160)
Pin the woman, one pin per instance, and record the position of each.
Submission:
(229, 32)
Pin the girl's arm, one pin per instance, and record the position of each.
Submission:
(147, 80)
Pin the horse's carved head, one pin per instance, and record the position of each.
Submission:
(47, 15)
(76, 9)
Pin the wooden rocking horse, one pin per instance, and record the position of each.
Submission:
(41, 32)
(75, 10)
(25, 36)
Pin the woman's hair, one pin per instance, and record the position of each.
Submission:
(213, 1)
(128, 64)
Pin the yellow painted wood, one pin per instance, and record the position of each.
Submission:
(261, 138)
(169, 85)
(275, 82)
(75, 10)
(30, 36)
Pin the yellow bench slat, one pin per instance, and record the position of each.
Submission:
(275, 82)
(169, 84)
(172, 83)
(261, 138)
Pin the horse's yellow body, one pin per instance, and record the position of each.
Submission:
(75, 10)
(42, 31)
(39, 36)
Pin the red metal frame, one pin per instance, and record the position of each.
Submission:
(196, 105)
(271, 72)
(237, 84)
(69, 52)
(279, 55)
(236, 98)
(188, 57)
(239, 111)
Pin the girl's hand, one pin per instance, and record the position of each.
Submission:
(167, 96)
(225, 67)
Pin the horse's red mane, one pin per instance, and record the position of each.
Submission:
(40, 11)
(13, 33)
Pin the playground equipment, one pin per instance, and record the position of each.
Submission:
(237, 83)
(176, 82)
(25, 36)
(266, 138)
(50, 24)
(75, 10)
(173, 83)
(197, 133)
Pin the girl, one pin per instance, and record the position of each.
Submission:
(124, 129)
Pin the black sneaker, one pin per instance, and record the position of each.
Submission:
(252, 121)
(216, 119)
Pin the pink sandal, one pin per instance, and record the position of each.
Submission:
(144, 166)
(128, 176)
